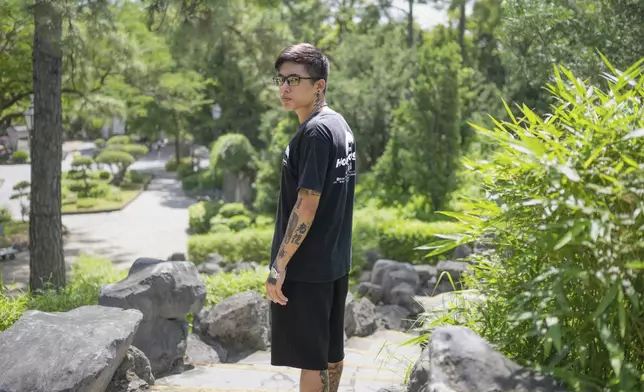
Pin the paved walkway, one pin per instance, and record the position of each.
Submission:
(371, 363)
(153, 225)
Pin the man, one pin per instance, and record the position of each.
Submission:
(311, 252)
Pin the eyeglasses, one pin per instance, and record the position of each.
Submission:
(291, 80)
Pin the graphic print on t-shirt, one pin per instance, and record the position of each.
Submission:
(346, 167)
(285, 157)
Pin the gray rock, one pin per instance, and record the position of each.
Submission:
(393, 317)
(209, 268)
(419, 376)
(425, 272)
(164, 343)
(380, 269)
(134, 374)
(365, 277)
(396, 275)
(215, 258)
(242, 266)
(460, 360)
(165, 292)
(360, 318)
(160, 290)
(77, 351)
(462, 252)
(371, 291)
(177, 257)
(240, 323)
(456, 269)
(142, 263)
(404, 295)
(201, 352)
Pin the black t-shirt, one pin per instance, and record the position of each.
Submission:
(321, 156)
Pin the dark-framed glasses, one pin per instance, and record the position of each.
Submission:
(292, 80)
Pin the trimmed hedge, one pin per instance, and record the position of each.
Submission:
(247, 245)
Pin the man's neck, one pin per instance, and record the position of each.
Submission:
(304, 113)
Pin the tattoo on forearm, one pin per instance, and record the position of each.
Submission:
(292, 224)
(335, 372)
(324, 377)
(281, 253)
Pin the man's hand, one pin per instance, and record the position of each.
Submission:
(274, 287)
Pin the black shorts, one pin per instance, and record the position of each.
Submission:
(308, 332)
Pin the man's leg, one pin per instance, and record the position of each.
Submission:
(300, 332)
(335, 373)
(314, 381)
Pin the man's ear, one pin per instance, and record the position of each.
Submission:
(320, 85)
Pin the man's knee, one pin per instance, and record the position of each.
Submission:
(314, 381)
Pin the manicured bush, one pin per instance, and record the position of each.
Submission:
(246, 245)
(565, 288)
(19, 157)
(229, 210)
(119, 139)
(200, 214)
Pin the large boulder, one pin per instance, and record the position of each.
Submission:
(165, 292)
(457, 359)
(77, 351)
(239, 323)
(360, 318)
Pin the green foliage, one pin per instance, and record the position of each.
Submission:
(123, 160)
(224, 284)
(137, 151)
(233, 153)
(118, 140)
(421, 156)
(19, 157)
(200, 213)
(88, 274)
(565, 288)
(230, 210)
(5, 214)
(278, 134)
(172, 164)
(246, 245)
(80, 175)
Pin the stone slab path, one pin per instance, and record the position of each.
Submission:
(373, 362)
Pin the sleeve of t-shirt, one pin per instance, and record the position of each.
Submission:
(313, 161)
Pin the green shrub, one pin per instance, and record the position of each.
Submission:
(200, 214)
(5, 215)
(565, 290)
(398, 239)
(190, 182)
(222, 285)
(229, 210)
(172, 164)
(100, 190)
(87, 276)
(100, 142)
(118, 139)
(239, 222)
(264, 222)
(19, 157)
(185, 169)
(247, 245)
(233, 153)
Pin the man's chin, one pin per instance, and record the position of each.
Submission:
(289, 105)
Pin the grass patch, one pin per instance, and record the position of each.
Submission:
(14, 232)
(87, 277)
(86, 205)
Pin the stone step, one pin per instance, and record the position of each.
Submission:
(371, 363)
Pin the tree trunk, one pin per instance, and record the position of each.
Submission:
(461, 30)
(177, 147)
(46, 258)
(410, 24)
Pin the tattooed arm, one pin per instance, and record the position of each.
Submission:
(298, 226)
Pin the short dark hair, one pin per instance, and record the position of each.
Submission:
(317, 64)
